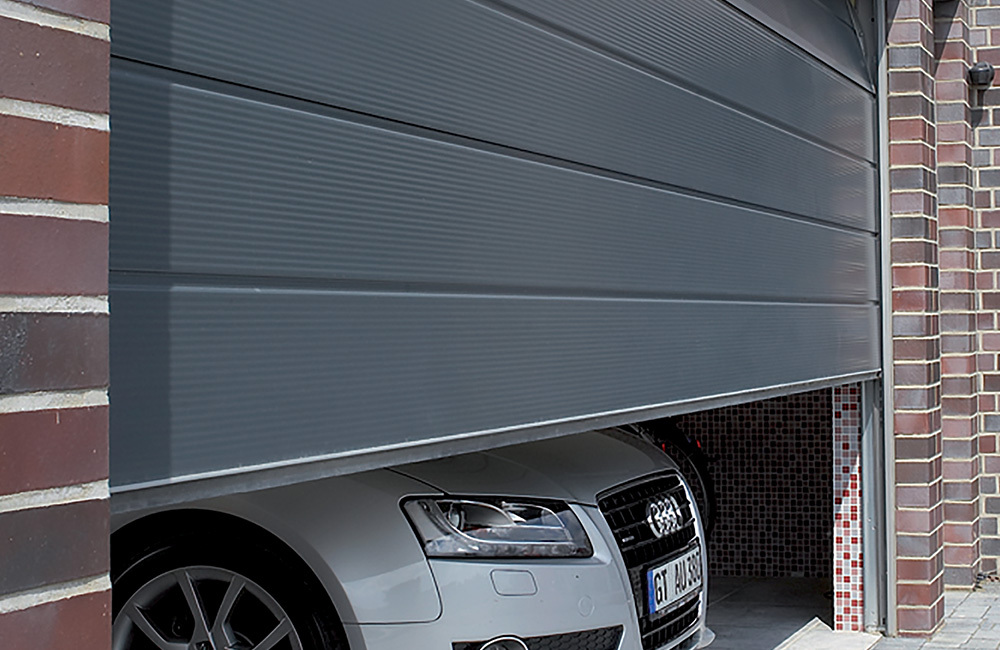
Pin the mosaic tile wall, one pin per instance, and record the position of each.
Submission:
(848, 593)
(772, 468)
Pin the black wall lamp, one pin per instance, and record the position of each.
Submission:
(981, 75)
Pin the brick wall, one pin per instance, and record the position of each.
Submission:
(984, 38)
(916, 322)
(54, 589)
(956, 239)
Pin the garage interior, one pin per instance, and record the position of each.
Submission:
(771, 553)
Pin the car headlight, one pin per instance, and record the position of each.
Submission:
(498, 528)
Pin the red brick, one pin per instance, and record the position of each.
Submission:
(913, 300)
(50, 161)
(43, 449)
(910, 202)
(922, 496)
(954, 51)
(911, 153)
(45, 546)
(912, 276)
(953, 153)
(907, 129)
(40, 255)
(53, 351)
(918, 621)
(81, 623)
(919, 594)
(953, 280)
(958, 365)
(988, 54)
(53, 66)
(953, 132)
(99, 10)
(960, 259)
(987, 443)
(953, 217)
(990, 218)
(923, 570)
(951, 91)
(916, 350)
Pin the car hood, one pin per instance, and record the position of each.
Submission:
(573, 468)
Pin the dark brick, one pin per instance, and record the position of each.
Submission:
(43, 449)
(53, 66)
(99, 10)
(954, 196)
(911, 106)
(957, 302)
(983, 240)
(958, 323)
(44, 546)
(987, 17)
(993, 505)
(990, 260)
(952, 113)
(960, 576)
(989, 177)
(956, 238)
(81, 623)
(990, 546)
(954, 175)
(912, 227)
(912, 178)
(959, 449)
(904, 325)
(981, 158)
(904, 252)
(53, 352)
(992, 423)
(919, 546)
(989, 137)
(40, 255)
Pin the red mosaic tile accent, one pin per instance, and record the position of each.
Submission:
(848, 587)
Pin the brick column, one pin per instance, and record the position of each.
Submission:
(985, 40)
(54, 589)
(956, 239)
(915, 318)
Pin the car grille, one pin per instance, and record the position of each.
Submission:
(605, 638)
(624, 508)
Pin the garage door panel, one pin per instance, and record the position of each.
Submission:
(468, 69)
(207, 183)
(670, 37)
(211, 379)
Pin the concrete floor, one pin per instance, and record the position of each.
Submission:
(760, 613)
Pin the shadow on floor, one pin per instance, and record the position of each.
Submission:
(760, 613)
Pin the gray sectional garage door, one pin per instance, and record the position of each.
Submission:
(341, 226)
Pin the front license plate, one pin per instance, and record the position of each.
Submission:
(672, 581)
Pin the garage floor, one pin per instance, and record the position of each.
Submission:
(760, 613)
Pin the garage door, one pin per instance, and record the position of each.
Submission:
(351, 226)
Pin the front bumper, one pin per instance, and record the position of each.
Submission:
(574, 603)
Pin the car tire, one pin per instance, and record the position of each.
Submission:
(200, 581)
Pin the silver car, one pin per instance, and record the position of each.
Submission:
(584, 542)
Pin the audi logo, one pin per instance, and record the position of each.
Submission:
(664, 516)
